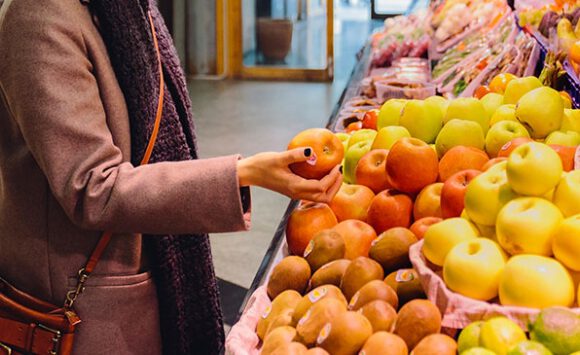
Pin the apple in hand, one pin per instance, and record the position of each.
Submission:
(428, 202)
(390, 112)
(461, 158)
(459, 132)
(509, 147)
(501, 133)
(422, 119)
(371, 170)
(358, 237)
(533, 169)
(370, 119)
(567, 155)
(487, 193)
(516, 88)
(412, 165)
(468, 109)
(390, 208)
(503, 113)
(567, 194)
(473, 268)
(351, 159)
(327, 152)
(526, 225)
(305, 222)
(541, 111)
(567, 138)
(453, 193)
(362, 135)
(420, 226)
(387, 136)
(351, 202)
(441, 237)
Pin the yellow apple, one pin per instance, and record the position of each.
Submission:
(527, 225)
(535, 281)
(443, 236)
(567, 194)
(361, 135)
(501, 133)
(387, 136)
(422, 119)
(541, 111)
(500, 334)
(472, 268)
(571, 120)
(566, 245)
(469, 109)
(516, 88)
(440, 102)
(503, 113)
(533, 169)
(487, 194)
(487, 232)
(459, 132)
(566, 138)
(491, 102)
(344, 137)
(390, 112)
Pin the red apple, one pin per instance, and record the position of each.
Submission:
(371, 170)
(390, 208)
(358, 237)
(370, 119)
(566, 155)
(326, 148)
(419, 227)
(461, 158)
(352, 202)
(492, 162)
(412, 165)
(428, 202)
(507, 148)
(353, 126)
(305, 222)
(453, 192)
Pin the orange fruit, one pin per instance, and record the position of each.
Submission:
(354, 126)
(481, 91)
(500, 81)
(574, 53)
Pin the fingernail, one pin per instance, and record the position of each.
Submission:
(340, 169)
(307, 152)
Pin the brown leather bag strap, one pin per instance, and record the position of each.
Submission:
(106, 236)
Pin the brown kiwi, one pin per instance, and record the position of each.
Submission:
(293, 348)
(329, 274)
(391, 249)
(292, 273)
(286, 300)
(284, 318)
(416, 320)
(436, 344)
(381, 315)
(325, 247)
(382, 343)
(406, 284)
(317, 316)
(345, 334)
(373, 290)
(360, 271)
(276, 338)
(314, 296)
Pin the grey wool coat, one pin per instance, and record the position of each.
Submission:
(65, 176)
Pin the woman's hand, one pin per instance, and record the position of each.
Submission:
(271, 171)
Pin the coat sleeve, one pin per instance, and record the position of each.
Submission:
(47, 82)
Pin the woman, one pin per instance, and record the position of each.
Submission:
(79, 87)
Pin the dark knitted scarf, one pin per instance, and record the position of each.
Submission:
(191, 319)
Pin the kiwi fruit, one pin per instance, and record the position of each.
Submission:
(317, 316)
(436, 344)
(291, 273)
(373, 290)
(286, 300)
(360, 271)
(381, 315)
(406, 284)
(382, 343)
(319, 293)
(391, 249)
(284, 318)
(293, 348)
(325, 247)
(345, 334)
(329, 274)
(317, 351)
(276, 338)
(416, 320)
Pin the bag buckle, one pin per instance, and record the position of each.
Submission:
(6, 348)
(71, 296)
(55, 339)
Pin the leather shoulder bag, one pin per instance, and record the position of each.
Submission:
(30, 326)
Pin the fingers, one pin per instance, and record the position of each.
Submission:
(297, 155)
(322, 190)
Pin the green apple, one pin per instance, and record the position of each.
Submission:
(487, 194)
(459, 132)
(526, 225)
(517, 87)
(469, 337)
(472, 268)
(567, 138)
(390, 112)
(533, 169)
(500, 334)
(503, 113)
(344, 137)
(469, 109)
(541, 111)
(422, 119)
(387, 136)
(441, 237)
(501, 133)
(528, 347)
(491, 102)
(364, 134)
(440, 102)
(571, 120)
(351, 158)
(567, 194)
